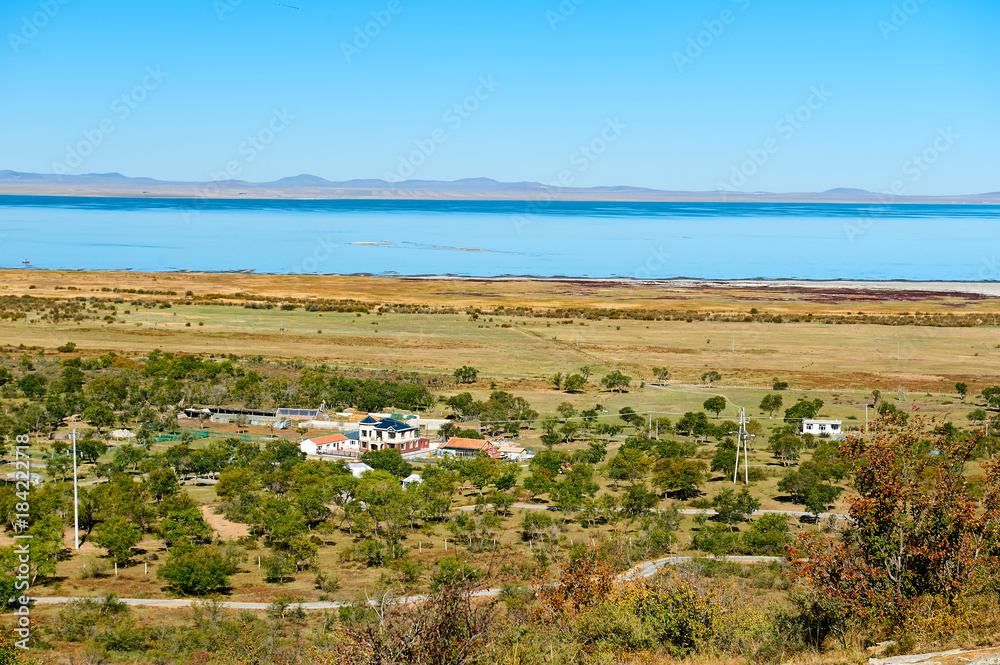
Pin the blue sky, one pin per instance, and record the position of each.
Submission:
(874, 84)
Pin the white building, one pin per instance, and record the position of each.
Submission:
(412, 478)
(818, 427)
(389, 433)
(358, 469)
(515, 453)
(323, 445)
(371, 434)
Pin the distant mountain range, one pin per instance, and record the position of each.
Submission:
(307, 186)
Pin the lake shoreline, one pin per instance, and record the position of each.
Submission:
(930, 287)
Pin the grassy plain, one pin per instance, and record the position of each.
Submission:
(839, 363)
(533, 347)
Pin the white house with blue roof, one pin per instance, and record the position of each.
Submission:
(389, 433)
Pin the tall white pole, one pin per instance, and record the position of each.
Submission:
(76, 499)
(736, 468)
(746, 447)
(741, 442)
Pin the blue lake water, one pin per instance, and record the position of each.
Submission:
(639, 240)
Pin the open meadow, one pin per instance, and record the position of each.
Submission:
(637, 471)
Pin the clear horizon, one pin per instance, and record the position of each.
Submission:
(734, 94)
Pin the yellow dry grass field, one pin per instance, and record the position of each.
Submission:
(531, 347)
(714, 296)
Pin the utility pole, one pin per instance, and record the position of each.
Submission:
(281, 328)
(734, 343)
(76, 499)
(866, 416)
(742, 442)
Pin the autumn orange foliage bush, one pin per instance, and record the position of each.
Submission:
(923, 540)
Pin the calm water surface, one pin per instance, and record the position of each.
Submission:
(642, 240)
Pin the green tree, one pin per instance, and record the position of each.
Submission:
(566, 410)
(638, 499)
(628, 465)
(662, 374)
(118, 536)
(978, 416)
(693, 424)
(684, 477)
(715, 404)
(767, 536)
(100, 415)
(466, 374)
(90, 450)
(505, 413)
(574, 383)
(770, 404)
(537, 483)
(616, 381)
(786, 446)
(630, 417)
(806, 486)
(725, 457)
(234, 481)
(448, 430)
(465, 405)
(184, 524)
(711, 377)
(59, 466)
(962, 389)
(388, 459)
(803, 410)
(46, 545)
(992, 396)
(733, 508)
(32, 385)
(161, 483)
(129, 457)
(198, 571)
